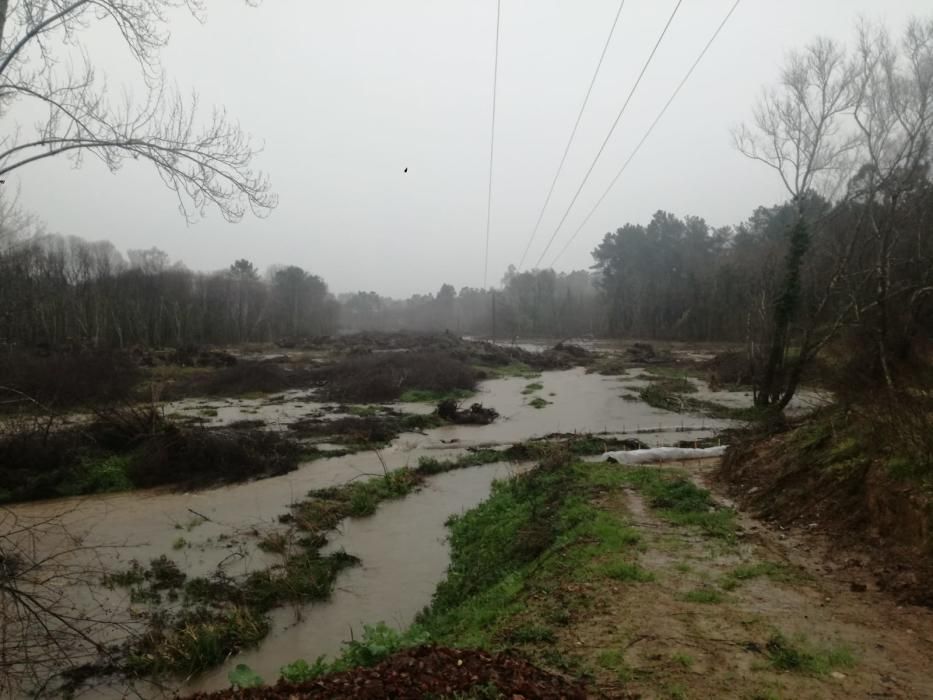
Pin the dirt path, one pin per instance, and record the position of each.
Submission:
(755, 617)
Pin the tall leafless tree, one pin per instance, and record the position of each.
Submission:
(800, 132)
(46, 68)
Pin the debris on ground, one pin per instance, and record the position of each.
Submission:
(645, 353)
(663, 454)
(425, 671)
(476, 414)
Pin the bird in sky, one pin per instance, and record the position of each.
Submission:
(406, 170)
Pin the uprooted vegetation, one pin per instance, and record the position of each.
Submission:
(387, 376)
(385, 665)
(132, 448)
(64, 380)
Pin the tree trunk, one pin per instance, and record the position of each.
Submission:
(768, 391)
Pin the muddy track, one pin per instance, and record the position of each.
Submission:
(706, 625)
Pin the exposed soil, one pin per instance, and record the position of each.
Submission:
(875, 529)
(689, 634)
(426, 672)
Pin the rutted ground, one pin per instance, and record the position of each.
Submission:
(746, 617)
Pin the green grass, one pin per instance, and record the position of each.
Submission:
(534, 529)
(514, 369)
(681, 502)
(682, 659)
(362, 411)
(764, 569)
(614, 660)
(531, 634)
(532, 388)
(538, 402)
(798, 655)
(627, 571)
(432, 396)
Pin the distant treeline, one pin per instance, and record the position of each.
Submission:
(670, 279)
(67, 292)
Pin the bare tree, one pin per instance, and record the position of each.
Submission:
(800, 132)
(46, 68)
(893, 112)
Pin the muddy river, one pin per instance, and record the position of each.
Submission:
(402, 547)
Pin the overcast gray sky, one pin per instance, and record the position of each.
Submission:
(346, 94)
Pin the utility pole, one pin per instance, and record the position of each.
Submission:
(493, 315)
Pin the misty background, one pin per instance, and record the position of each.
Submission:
(346, 95)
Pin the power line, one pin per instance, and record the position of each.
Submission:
(650, 129)
(492, 142)
(611, 130)
(573, 133)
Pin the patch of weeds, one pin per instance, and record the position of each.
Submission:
(513, 369)
(631, 398)
(800, 656)
(682, 659)
(614, 660)
(244, 677)
(562, 662)
(609, 365)
(327, 507)
(670, 382)
(531, 634)
(472, 458)
(627, 571)
(358, 410)
(707, 596)
(179, 543)
(538, 402)
(907, 469)
(195, 640)
(208, 412)
(532, 388)
(378, 642)
(301, 671)
(747, 572)
(682, 502)
(107, 475)
(274, 542)
(433, 396)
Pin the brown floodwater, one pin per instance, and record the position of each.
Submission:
(402, 547)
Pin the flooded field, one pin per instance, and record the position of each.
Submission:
(402, 546)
